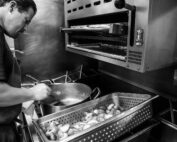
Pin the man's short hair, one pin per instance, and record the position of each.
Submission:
(23, 5)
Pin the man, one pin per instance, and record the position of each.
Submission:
(15, 15)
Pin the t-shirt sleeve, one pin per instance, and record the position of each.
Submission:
(2, 70)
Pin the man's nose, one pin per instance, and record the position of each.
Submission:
(24, 29)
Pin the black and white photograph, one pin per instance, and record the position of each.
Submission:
(88, 70)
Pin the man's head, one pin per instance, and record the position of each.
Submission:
(16, 15)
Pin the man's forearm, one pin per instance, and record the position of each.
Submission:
(12, 96)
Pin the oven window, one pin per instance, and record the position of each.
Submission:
(105, 34)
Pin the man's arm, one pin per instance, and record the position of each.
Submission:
(11, 96)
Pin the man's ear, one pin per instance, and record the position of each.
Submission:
(12, 6)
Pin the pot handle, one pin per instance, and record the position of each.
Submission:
(38, 108)
(95, 91)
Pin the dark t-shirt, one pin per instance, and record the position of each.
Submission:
(2, 71)
(10, 74)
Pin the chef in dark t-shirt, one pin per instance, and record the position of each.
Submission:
(15, 15)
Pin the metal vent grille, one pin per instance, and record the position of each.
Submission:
(85, 5)
(135, 57)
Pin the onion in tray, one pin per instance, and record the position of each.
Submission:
(56, 131)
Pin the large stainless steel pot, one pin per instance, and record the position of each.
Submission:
(66, 95)
(63, 95)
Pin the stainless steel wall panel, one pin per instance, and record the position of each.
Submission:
(43, 45)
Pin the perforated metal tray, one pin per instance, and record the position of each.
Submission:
(137, 110)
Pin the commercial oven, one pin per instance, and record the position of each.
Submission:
(136, 34)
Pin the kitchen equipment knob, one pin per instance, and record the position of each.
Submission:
(139, 37)
(122, 4)
(119, 4)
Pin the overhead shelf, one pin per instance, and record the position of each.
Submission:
(122, 39)
(85, 30)
(96, 52)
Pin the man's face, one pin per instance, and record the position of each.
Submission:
(16, 22)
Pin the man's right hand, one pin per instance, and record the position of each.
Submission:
(41, 91)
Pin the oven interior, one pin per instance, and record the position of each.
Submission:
(105, 34)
